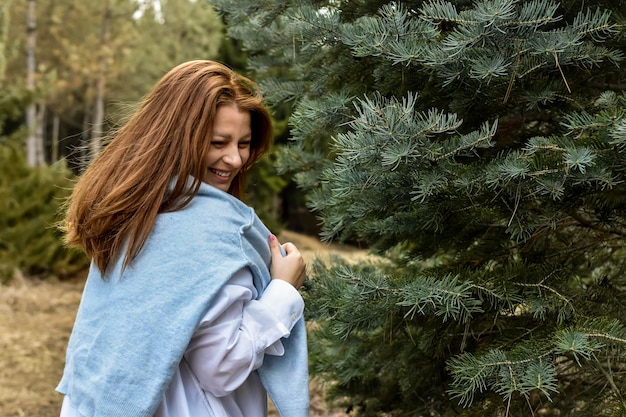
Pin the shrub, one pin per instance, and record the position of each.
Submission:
(31, 199)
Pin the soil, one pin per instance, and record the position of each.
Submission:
(36, 319)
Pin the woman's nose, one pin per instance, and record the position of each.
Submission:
(232, 156)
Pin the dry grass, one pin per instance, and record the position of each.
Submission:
(36, 322)
(36, 319)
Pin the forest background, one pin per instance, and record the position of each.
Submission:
(478, 148)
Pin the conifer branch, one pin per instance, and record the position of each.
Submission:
(596, 225)
(614, 387)
(550, 289)
(608, 337)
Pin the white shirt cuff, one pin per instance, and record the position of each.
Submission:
(284, 301)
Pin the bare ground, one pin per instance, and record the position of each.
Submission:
(36, 319)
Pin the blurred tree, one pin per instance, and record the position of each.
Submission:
(91, 71)
(31, 199)
(95, 141)
(180, 30)
(480, 148)
(30, 194)
(34, 142)
(4, 31)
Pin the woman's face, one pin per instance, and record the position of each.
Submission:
(230, 146)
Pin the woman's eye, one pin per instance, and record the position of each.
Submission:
(217, 143)
(244, 145)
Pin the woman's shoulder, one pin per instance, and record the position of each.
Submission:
(213, 227)
(211, 212)
(220, 202)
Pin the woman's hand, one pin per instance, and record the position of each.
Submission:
(291, 267)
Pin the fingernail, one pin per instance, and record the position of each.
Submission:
(272, 237)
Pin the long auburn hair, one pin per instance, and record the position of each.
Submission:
(116, 200)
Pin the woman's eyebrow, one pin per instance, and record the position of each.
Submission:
(229, 136)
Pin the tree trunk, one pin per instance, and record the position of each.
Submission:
(31, 112)
(86, 132)
(4, 31)
(39, 132)
(55, 138)
(96, 133)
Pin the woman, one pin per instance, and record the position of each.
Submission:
(191, 307)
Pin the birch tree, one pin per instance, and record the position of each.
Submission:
(34, 142)
(105, 47)
(4, 31)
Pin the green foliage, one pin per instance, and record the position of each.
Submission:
(180, 31)
(30, 205)
(479, 147)
(73, 55)
(261, 191)
(4, 25)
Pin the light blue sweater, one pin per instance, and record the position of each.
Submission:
(132, 328)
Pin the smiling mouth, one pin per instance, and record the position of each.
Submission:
(222, 174)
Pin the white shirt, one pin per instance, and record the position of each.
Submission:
(216, 377)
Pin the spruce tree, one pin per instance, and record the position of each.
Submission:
(479, 148)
